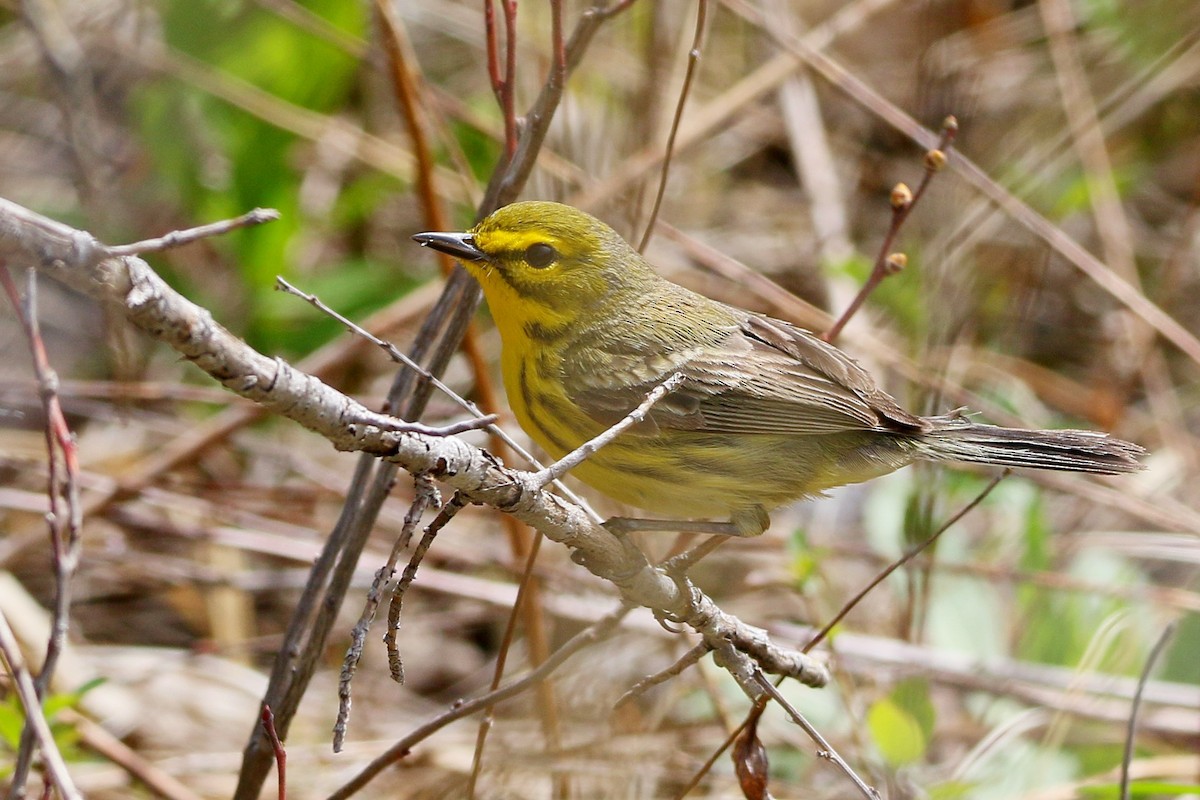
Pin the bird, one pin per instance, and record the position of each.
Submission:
(765, 412)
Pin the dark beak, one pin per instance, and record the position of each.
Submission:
(460, 245)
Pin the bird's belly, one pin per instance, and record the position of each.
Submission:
(691, 475)
(685, 474)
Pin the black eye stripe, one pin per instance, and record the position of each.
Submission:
(540, 255)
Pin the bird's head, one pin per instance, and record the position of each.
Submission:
(545, 263)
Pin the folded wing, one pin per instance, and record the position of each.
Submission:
(760, 376)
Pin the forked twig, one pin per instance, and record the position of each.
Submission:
(448, 512)
(425, 494)
(65, 517)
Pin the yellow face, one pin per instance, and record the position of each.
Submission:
(542, 261)
(543, 265)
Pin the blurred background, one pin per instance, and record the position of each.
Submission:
(1000, 665)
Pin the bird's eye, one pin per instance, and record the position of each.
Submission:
(540, 255)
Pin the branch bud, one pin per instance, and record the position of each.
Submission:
(901, 196)
(935, 160)
(894, 263)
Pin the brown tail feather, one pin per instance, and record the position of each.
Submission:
(955, 438)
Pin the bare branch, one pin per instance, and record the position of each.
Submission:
(426, 494)
(448, 511)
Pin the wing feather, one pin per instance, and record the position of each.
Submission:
(760, 375)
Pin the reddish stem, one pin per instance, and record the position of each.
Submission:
(268, 723)
(508, 95)
(493, 50)
(884, 265)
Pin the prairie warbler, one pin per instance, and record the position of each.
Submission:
(766, 413)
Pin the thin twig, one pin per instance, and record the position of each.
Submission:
(689, 658)
(1135, 707)
(178, 238)
(909, 556)
(598, 630)
(680, 564)
(448, 512)
(34, 718)
(268, 723)
(508, 89)
(492, 40)
(826, 750)
(689, 76)
(62, 487)
(903, 202)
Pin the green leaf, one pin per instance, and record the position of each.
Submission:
(912, 695)
(897, 733)
(12, 720)
(950, 790)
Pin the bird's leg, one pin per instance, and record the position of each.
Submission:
(746, 522)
